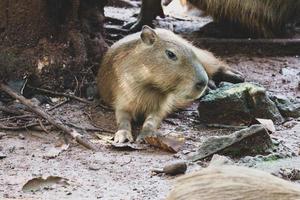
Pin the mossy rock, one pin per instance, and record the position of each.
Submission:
(237, 104)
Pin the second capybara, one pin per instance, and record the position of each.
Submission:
(233, 183)
(262, 18)
(149, 74)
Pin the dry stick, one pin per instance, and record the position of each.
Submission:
(249, 41)
(55, 122)
(17, 128)
(17, 117)
(58, 105)
(61, 94)
(90, 129)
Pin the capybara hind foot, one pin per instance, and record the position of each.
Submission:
(122, 136)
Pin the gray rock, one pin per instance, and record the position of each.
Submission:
(237, 104)
(249, 141)
(286, 107)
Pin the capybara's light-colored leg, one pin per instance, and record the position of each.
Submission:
(124, 127)
(216, 69)
(150, 126)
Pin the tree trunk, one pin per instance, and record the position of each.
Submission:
(57, 41)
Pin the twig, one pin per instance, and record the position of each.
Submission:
(225, 126)
(17, 128)
(71, 96)
(58, 105)
(90, 129)
(248, 41)
(55, 122)
(17, 117)
(43, 127)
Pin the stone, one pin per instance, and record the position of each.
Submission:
(287, 107)
(246, 142)
(237, 104)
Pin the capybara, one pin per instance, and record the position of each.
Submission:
(262, 18)
(147, 75)
(233, 183)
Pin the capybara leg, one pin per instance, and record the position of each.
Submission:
(150, 127)
(124, 127)
(216, 69)
(149, 11)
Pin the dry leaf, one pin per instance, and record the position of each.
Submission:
(167, 143)
(39, 183)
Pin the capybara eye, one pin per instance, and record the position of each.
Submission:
(171, 55)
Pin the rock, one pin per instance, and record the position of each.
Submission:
(249, 141)
(2, 155)
(2, 135)
(237, 104)
(173, 168)
(286, 107)
(218, 160)
(21, 136)
(291, 174)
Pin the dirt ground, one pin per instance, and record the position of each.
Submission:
(122, 174)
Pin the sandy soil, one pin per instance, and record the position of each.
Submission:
(115, 174)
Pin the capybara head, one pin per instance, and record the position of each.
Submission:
(167, 63)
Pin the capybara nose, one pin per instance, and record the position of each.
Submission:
(201, 84)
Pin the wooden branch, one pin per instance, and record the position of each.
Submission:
(90, 129)
(55, 122)
(17, 128)
(60, 94)
(247, 41)
(17, 117)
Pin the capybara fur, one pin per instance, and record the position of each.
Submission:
(233, 183)
(265, 18)
(148, 74)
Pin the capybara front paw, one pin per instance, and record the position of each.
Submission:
(122, 136)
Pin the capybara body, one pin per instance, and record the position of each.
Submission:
(233, 183)
(266, 18)
(148, 74)
(262, 18)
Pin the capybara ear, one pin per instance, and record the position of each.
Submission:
(148, 35)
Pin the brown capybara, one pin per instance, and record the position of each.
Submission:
(148, 74)
(233, 183)
(263, 18)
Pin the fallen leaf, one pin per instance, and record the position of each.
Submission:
(55, 151)
(167, 143)
(267, 123)
(40, 183)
